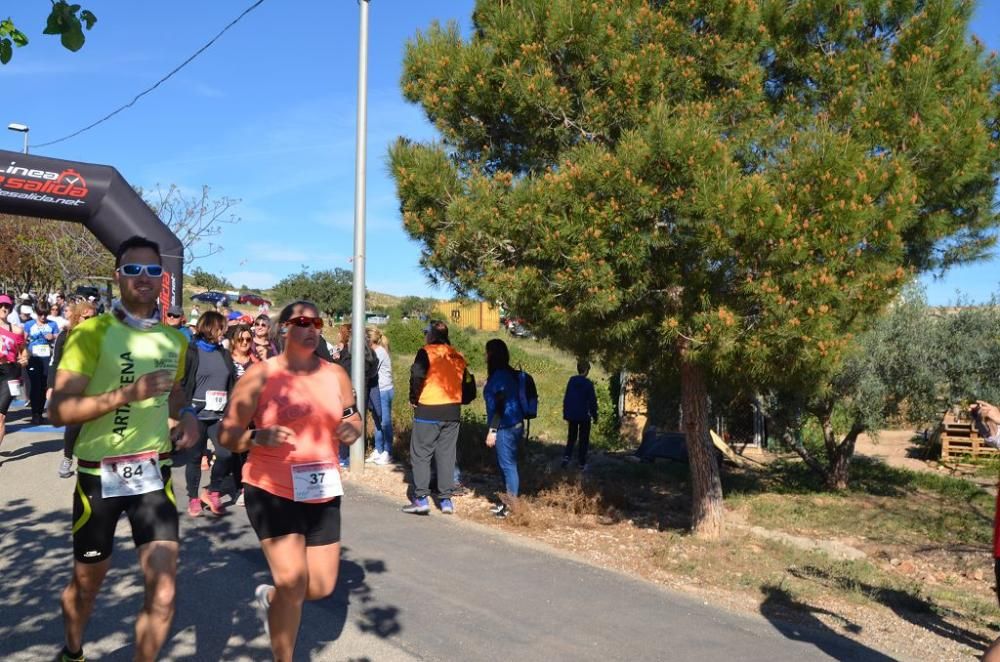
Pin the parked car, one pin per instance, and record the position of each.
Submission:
(518, 330)
(87, 291)
(253, 299)
(212, 297)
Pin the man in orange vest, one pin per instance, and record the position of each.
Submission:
(436, 380)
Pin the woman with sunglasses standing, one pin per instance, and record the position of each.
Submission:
(303, 408)
(264, 345)
(13, 356)
(209, 375)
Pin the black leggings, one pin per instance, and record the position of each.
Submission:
(225, 461)
(8, 372)
(38, 374)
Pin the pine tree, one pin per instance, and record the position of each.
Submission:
(715, 187)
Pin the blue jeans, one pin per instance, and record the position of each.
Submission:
(383, 434)
(508, 440)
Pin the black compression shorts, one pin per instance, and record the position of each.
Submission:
(153, 516)
(272, 516)
(8, 372)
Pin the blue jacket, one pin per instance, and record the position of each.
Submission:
(501, 390)
(580, 401)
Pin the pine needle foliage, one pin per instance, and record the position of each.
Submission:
(741, 185)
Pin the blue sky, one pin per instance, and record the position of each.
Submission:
(267, 115)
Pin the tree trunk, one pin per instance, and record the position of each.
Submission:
(839, 455)
(706, 487)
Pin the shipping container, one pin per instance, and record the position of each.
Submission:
(479, 315)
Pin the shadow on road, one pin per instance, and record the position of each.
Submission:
(32, 449)
(220, 565)
(798, 622)
(907, 606)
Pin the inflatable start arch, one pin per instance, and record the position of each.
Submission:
(95, 195)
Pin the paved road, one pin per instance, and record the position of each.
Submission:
(410, 588)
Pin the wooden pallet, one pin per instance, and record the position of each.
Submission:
(960, 440)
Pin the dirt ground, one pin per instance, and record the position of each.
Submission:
(724, 574)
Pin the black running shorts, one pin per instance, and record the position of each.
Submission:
(153, 516)
(272, 516)
(8, 372)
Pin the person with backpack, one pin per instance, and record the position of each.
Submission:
(579, 409)
(505, 414)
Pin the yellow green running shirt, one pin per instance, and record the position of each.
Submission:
(114, 355)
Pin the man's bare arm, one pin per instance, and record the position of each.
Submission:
(69, 406)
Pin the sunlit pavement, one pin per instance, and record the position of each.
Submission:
(429, 588)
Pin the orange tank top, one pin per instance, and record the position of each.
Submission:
(312, 406)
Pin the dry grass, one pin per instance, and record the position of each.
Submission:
(926, 582)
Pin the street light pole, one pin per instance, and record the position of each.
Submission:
(358, 339)
(20, 128)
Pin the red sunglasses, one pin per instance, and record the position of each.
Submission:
(303, 322)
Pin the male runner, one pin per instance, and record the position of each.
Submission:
(120, 379)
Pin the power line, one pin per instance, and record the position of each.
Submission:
(157, 83)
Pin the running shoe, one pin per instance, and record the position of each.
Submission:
(194, 507)
(260, 596)
(214, 502)
(66, 467)
(418, 507)
(373, 457)
(383, 459)
(447, 507)
(239, 500)
(502, 512)
(66, 656)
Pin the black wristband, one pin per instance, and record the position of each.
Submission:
(348, 412)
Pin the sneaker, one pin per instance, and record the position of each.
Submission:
(36, 419)
(66, 467)
(564, 463)
(383, 459)
(373, 457)
(214, 502)
(194, 507)
(418, 507)
(447, 507)
(263, 605)
(239, 499)
(501, 512)
(66, 656)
